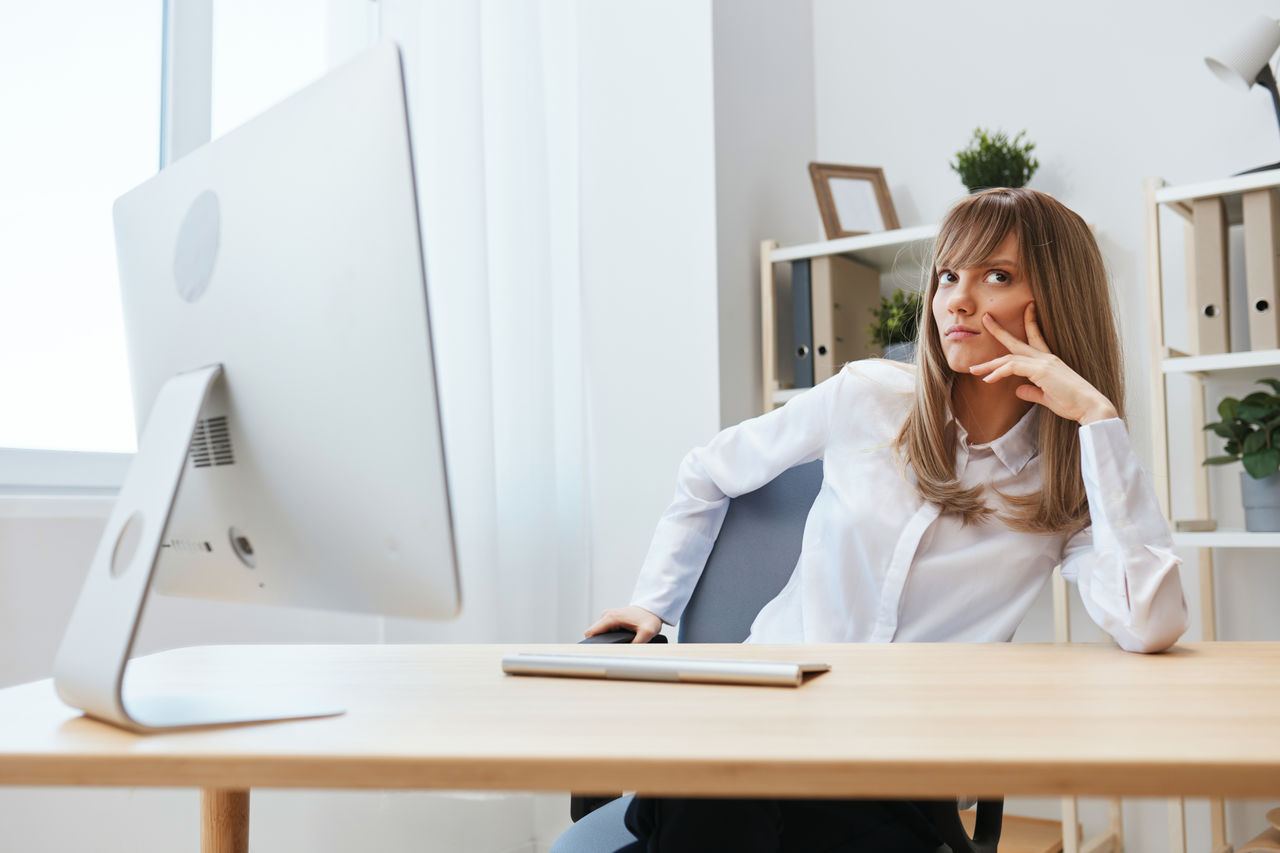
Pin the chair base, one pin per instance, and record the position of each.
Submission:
(602, 831)
(1023, 834)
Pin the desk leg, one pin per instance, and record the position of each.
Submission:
(224, 821)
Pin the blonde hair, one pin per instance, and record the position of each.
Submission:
(1073, 309)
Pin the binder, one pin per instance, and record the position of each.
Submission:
(1262, 272)
(802, 322)
(844, 292)
(1207, 303)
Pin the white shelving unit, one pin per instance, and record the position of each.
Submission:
(1230, 190)
(1207, 210)
(1227, 539)
(885, 251)
(882, 250)
(1222, 362)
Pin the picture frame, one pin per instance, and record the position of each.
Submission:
(853, 200)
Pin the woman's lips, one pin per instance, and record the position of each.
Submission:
(960, 333)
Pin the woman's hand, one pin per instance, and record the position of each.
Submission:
(1055, 386)
(630, 618)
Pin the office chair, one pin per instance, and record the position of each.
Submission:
(754, 555)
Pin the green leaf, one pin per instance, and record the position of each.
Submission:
(1254, 413)
(1232, 447)
(1224, 430)
(1274, 383)
(1261, 398)
(1227, 408)
(1221, 460)
(1254, 442)
(1262, 464)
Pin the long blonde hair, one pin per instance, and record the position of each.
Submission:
(1073, 309)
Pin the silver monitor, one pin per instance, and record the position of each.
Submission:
(280, 348)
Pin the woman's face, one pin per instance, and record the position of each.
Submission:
(997, 287)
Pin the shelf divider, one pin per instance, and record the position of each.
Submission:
(1221, 361)
(1227, 539)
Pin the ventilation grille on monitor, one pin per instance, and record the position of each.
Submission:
(189, 545)
(211, 443)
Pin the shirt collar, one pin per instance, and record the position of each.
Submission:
(1015, 448)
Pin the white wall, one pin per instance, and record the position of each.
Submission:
(648, 267)
(765, 140)
(1111, 93)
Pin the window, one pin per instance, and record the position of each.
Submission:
(264, 52)
(83, 126)
(81, 110)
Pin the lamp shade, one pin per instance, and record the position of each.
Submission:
(1238, 60)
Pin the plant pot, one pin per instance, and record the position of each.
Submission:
(1261, 502)
(904, 351)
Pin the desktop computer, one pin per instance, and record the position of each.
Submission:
(280, 350)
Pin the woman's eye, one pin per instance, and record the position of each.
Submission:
(998, 277)
(947, 277)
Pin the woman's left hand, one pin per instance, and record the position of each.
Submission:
(1054, 385)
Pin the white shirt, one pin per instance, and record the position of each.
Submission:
(879, 564)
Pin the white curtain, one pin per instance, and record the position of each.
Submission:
(493, 108)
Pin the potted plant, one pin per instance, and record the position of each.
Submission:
(1252, 429)
(895, 324)
(995, 160)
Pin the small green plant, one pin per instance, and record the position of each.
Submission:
(896, 318)
(1252, 429)
(995, 160)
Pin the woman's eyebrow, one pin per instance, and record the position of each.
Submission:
(989, 262)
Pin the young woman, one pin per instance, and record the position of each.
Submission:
(951, 490)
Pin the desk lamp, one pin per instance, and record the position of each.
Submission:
(1245, 59)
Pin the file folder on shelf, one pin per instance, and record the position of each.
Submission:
(1207, 327)
(844, 292)
(832, 299)
(1262, 272)
(802, 322)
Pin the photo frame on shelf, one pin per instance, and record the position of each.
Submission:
(852, 199)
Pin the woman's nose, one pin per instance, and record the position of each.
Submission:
(960, 300)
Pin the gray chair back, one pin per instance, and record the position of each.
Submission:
(754, 556)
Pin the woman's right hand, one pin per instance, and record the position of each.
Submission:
(630, 618)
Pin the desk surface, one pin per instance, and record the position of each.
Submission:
(888, 720)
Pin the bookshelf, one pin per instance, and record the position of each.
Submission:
(1207, 210)
(867, 257)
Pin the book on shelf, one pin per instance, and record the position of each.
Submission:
(832, 299)
(802, 322)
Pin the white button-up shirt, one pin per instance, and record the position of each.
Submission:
(880, 564)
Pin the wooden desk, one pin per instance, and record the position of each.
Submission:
(888, 720)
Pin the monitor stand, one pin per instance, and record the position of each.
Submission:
(89, 669)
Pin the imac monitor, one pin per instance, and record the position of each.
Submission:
(280, 352)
